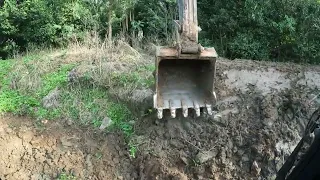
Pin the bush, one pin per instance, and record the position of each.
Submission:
(282, 30)
(271, 29)
(41, 23)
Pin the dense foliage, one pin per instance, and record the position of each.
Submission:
(272, 29)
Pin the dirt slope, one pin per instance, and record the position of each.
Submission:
(262, 110)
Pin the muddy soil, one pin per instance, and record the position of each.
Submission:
(44, 153)
(261, 112)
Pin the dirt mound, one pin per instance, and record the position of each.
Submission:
(28, 154)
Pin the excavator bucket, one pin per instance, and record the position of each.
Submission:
(185, 74)
(184, 82)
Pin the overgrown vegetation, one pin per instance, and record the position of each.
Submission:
(79, 87)
(272, 29)
(285, 30)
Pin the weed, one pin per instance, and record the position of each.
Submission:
(55, 79)
(148, 112)
(65, 176)
(84, 105)
(132, 150)
(195, 162)
(5, 67)
(98, 155)
(121, 117)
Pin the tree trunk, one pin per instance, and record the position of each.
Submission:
(110, 25)
(110, 21)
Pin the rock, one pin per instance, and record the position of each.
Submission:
(230, 144)
(272, 177)
(205, 156)
(141, 100)
(8, 130)
(268, 122)
(140, 96)
(116, 160)
(183, 157)
(223, 93)
(258, 149)
(89, 164)
(216, 177)
(279, 163)
(73, 76)
(65, 142)
(26, 136)
(255, 168)
(184, 160)
(240, 152)
(51, 101)
(106, 122)
(69, 122)
(245, 158)
(41, 177)
(176, 144)
(213, 168)
(223, 156)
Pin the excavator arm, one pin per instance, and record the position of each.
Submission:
(187, 27)
(185, 73)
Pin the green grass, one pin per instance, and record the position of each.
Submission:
(55, 79)
(22, 101)
(137, 77)
(5, 67)
(84, 103)
(10, 100)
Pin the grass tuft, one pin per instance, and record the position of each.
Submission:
(65, 176)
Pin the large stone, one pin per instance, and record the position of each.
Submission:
(255, 168)
(106, 122)
(141, 100)
(205, 156)
(141, 95)
(51, 101)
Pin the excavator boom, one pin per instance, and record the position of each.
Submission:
(185, 73)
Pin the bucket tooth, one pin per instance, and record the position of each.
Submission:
(196, 108)
(172, 109)
(160, 113)
(214, 96)
(173, 112)
(184, 109)
(209, 109)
